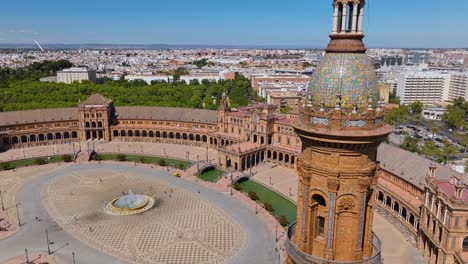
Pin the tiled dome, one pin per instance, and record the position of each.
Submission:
(350, 75)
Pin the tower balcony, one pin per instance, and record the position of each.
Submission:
(300, 257)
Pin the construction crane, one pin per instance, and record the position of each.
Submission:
(39, 45)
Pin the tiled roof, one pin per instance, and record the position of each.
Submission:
(166, 113)
(38, 116)
(410, 166)
(96, 99)
(123, 112)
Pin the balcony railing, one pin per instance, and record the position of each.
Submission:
(300, 257)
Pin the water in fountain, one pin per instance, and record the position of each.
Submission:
(130, 201)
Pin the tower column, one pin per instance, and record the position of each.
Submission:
(355, 17)
(343, 19)
(335, 19)
(361, 18)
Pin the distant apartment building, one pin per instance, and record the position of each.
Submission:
(391, 60)
(149, 78)
(264, 83)
(432, 87)
(211, 77)
(458, 86)
(283, 99)
(417, 57)
(76, 74)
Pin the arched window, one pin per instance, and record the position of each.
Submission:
(380, 197)
(316, 198)
(465, 244)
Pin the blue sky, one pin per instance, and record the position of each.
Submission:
(395, 23)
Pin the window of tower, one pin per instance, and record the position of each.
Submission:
(320, 226)
(465, 244)
(318, 199)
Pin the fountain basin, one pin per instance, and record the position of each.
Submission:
(129, 204)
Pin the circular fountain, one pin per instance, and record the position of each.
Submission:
(129, 204)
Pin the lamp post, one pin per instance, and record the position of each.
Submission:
(134, 158)
(17, 213)
(1, 200)
(26, 254)
(256, 211)
(73, 257)
(48, 241)
(198, 165)
(206, 152)
(231, 182)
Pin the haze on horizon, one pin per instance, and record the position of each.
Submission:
(296, 23)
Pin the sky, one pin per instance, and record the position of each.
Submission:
(288, 23)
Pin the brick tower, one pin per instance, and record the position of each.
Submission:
(341, 126)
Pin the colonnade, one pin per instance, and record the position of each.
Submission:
(32, 139)
(281, 158)
(348, 17)
(398, 210)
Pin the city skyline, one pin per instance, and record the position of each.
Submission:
(399, 24)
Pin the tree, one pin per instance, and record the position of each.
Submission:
(431, 151)
(283, 221)
(397, 116)
(454, 117)
(448, 151)
(416, 107)
(162, 162)
(410, 144)
(393, 98)
(200, 63)
(268, 207)
(253, 195)
(433, 131)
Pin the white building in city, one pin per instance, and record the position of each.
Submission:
(76, 74)
(458, 86)
(432, 87)
(148, 78)
(428, 87)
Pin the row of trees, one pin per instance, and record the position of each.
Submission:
(32, 94)
(456, 114)
(33, 72)
(429, 149)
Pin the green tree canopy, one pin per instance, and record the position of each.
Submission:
(410, 144)
(397, 116)
(416, 107)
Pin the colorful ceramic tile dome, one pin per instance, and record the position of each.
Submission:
(350, 75)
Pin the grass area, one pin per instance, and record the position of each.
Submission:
(30, 162)
(181, 164)
(280, 204)
(211, 175)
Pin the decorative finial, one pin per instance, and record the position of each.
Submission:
(370, 106)
(322, 107)
(338, 102)
(309, 101)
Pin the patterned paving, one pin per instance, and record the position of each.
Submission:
(181, 228)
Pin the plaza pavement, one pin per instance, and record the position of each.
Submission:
(260, 246)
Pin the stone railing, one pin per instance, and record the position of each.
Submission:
(300, 257)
